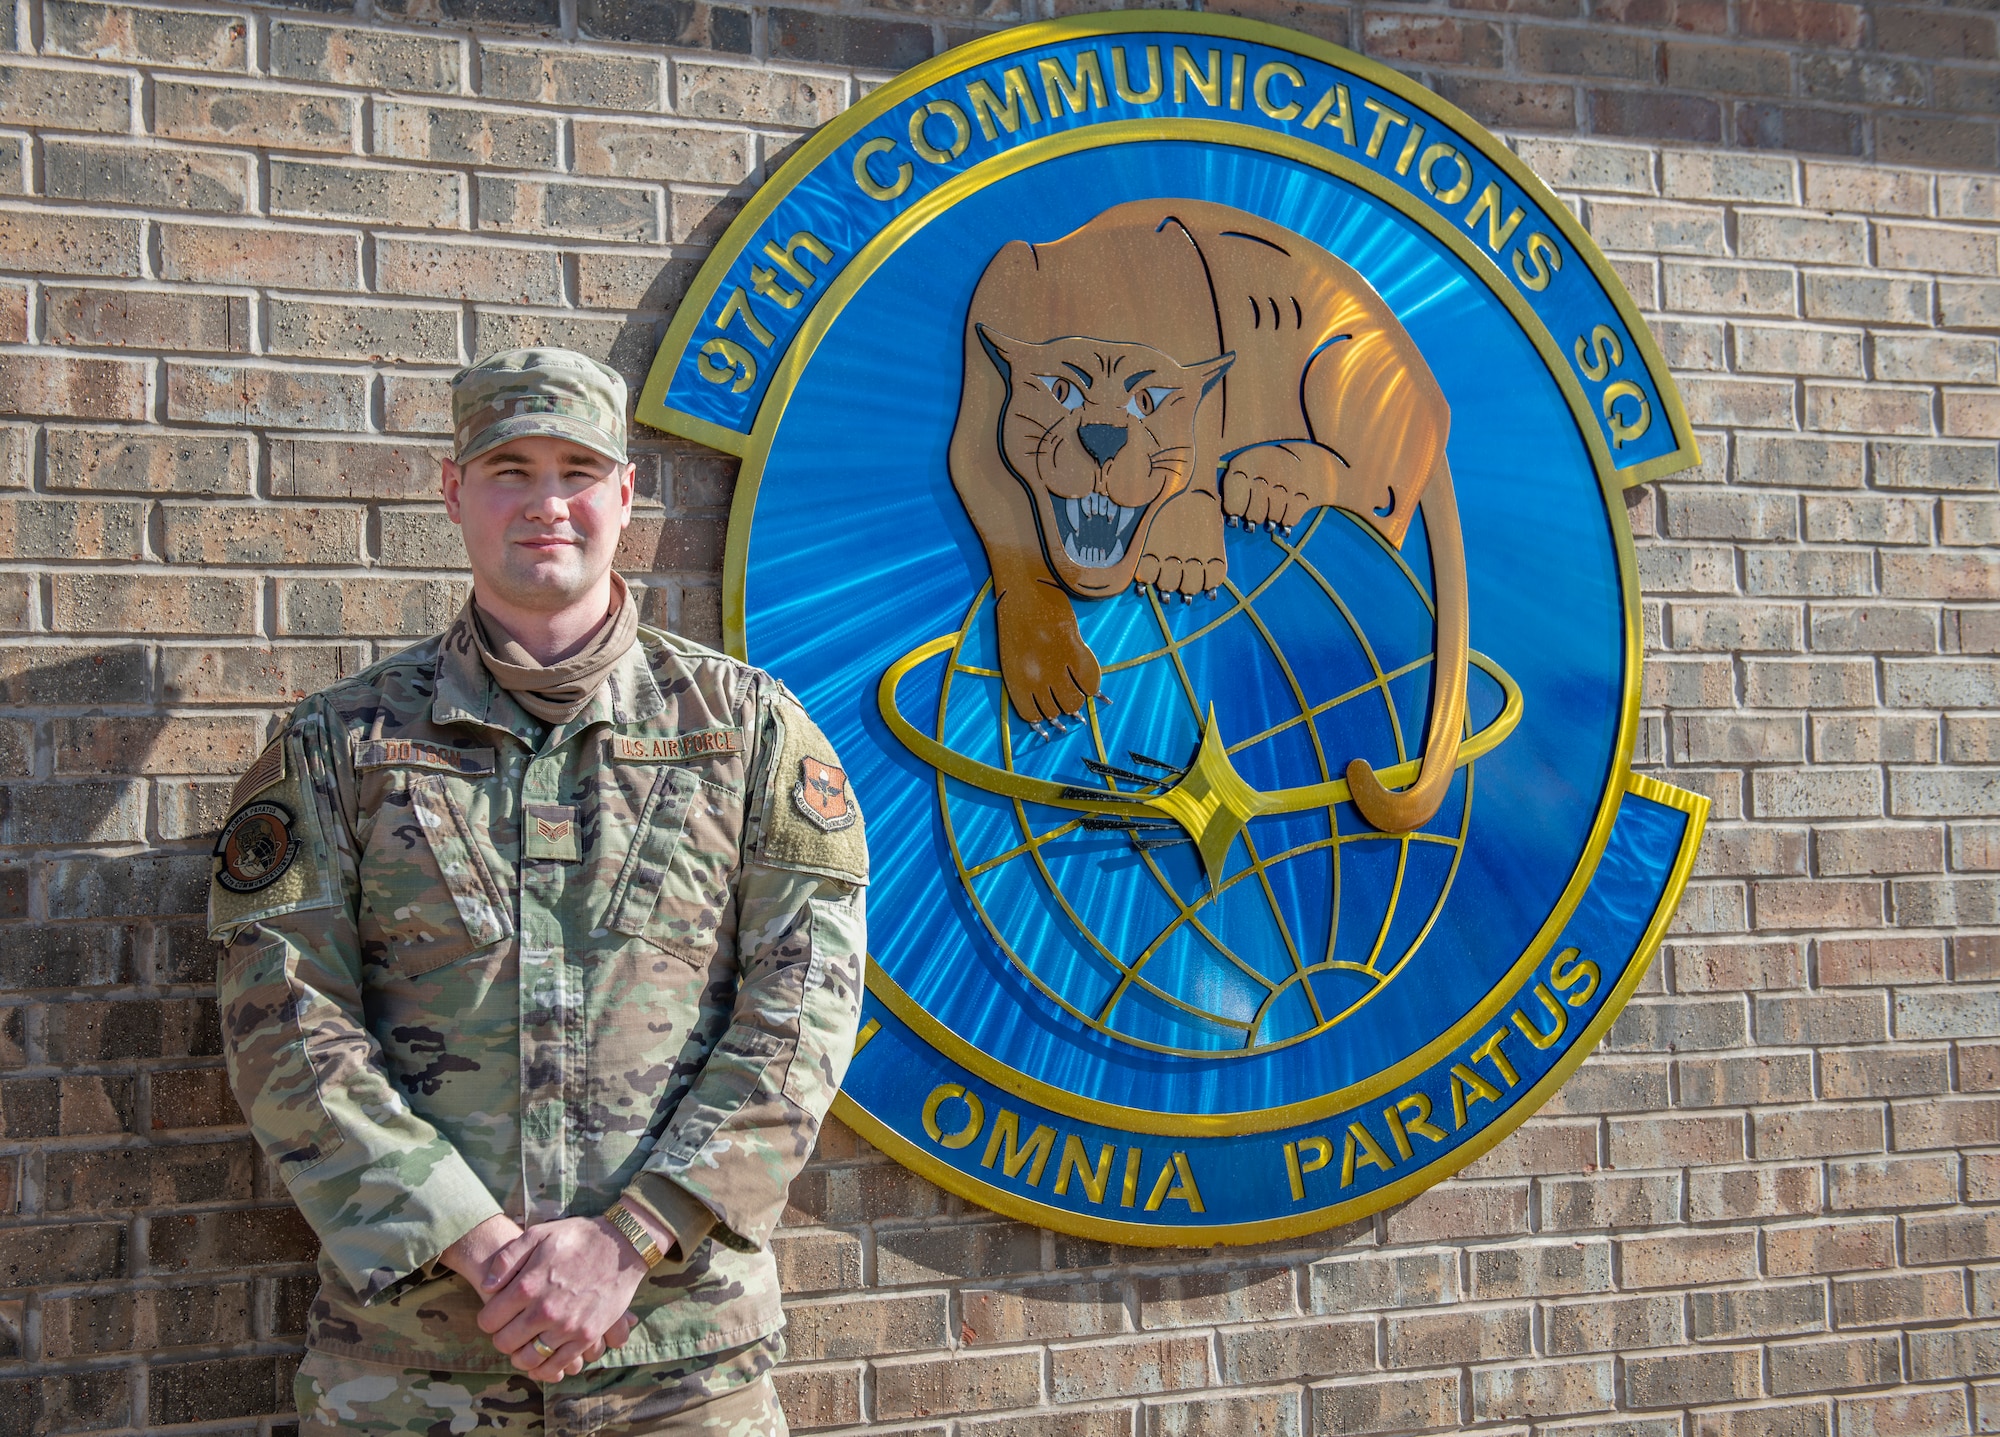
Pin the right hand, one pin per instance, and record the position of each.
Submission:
(471, 1257)
(1048, 669)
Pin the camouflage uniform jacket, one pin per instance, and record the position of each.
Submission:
(476, 965)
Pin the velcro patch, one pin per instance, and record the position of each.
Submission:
(416, 753)
(551, 832)
(814, 821)
(822, 796)
(267, 770)
(256, 847)
(669, 748)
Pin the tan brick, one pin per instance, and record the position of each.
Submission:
(277, 534)
(1937, 248)
(443, 269)
(1679, 1259)
(1490, 1209)
(72, 529)
(199, 39)
(1767, 1310)
(963, 1382)
(1294, 1351)
(1967, 1352)
(1735, 967)
(1868, 189)
(1863, 1183)
(1542, 1145)
(1244, 1295)
(70, 98)
(158, 177)
(629, 279)
(1386, 1404)
(1749, 403)
(1458, 1336)
(416, 404)
(364, 607)
(1367, 1281)
(260, 254)
(570, 79)
(13, 313)
(817, 1261)
(1950, 1237)
(866, 1326)
(1833, 1364)
(147, 319)
(381, 332)
(1795, 349)
(1036, 1314)
(466, 135)
(1612, 1085)
(628, 150)
(1854, 738)
(122, 461)
(1542, 1389)
(156, 745)
(1265, 1414)
(1876, 1073)
(1754, 1078)
(1671, 1142)
(153, 604)
(1799, 462)
(1091, 1372)
(1893, 1299)
(57, 384)
(256, 395)
(420, 539)
(570, 208)
(284, 119)
(1820, 1131)
(1683, 1378)
(1903, 1414)
(764, 96)
(1867, 519)
(1835, 1246)
(1541, 1269)
(345, 55)
(1801, 238)
(240, 674)
(819, 1396)
(1868, 409)
(351, 190)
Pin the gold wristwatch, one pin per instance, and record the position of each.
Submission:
(620, 1217)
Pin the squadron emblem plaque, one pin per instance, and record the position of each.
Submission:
(1182, 470)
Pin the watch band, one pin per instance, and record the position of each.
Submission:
(634, 1231)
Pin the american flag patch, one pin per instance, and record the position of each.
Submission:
(267, 770)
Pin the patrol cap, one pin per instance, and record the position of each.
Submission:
(556, 392)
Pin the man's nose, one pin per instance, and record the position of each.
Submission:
(1101, 441)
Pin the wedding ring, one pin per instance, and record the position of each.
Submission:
(542, 1347)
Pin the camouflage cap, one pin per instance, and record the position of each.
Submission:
(556, 392)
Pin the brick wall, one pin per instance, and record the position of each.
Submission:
(240, 251)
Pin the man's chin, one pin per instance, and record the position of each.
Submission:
(545, 586)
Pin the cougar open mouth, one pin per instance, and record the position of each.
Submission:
(1095, 531)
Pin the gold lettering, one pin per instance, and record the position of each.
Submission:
(1621, 428)
(1490, 1051)
(1427, 172)
(1123, 85)
(1419, 1104)
(1184, 1188)
(1040, 1142)
(1416, 137)
(1320, 1153)
(1085, 87)
(1384, 118)
(1601, 353)
(867, 1034)
(765, 282)
(720, 359)
(1208, 84)
(1335, 102)
(1464, 1080)
(1128, 1191)
(786, 257)
(986, 106)
(1361, 1145)
(1543, 259)
(1570, 969)
(1236, 64)
(1292, 1172)
(1261, 89)
(976, 1119)
(865, 177)
(1488, 204)
(1095, 1180)
(1396, 1134)
(1536, 1035)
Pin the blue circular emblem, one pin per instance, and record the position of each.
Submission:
(1182, 470)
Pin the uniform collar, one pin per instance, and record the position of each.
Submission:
(466, 692)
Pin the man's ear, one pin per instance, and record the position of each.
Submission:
(1210, 371)
(450, 481)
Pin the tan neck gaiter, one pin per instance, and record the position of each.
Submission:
(556, 693)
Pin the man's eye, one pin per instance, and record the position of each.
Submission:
(1067, 394)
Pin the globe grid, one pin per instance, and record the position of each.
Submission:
(1332, 987)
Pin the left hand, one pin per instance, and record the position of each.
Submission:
(567, 1283)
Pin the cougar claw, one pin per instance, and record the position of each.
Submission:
(1040, 732)
(1102, 698)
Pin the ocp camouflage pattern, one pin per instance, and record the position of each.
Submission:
(556, 393)
(428, 1024)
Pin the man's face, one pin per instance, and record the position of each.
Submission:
(540, 517)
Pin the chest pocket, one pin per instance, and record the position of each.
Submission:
(668, 893)
(440, 901)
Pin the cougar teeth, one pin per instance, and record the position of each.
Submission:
(1095, 531)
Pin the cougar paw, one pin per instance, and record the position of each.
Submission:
(1048, 669)
(1258, 499)
(1184, 548)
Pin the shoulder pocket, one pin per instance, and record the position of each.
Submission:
(483, 910)
(636, 908)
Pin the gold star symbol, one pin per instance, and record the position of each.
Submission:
(1211, 801)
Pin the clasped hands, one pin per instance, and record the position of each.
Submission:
(566, 1285)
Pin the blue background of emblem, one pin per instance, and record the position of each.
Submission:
(860, 551)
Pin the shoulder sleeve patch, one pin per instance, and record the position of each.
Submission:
(272, 856)
(811, 818)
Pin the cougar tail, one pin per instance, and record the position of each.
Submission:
(1400, 811)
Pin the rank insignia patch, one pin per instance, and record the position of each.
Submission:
(552, 832)
(821, 795)
(256, 848)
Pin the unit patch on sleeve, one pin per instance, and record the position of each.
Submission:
(256, 847)
(821, 795)
(667, 749)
